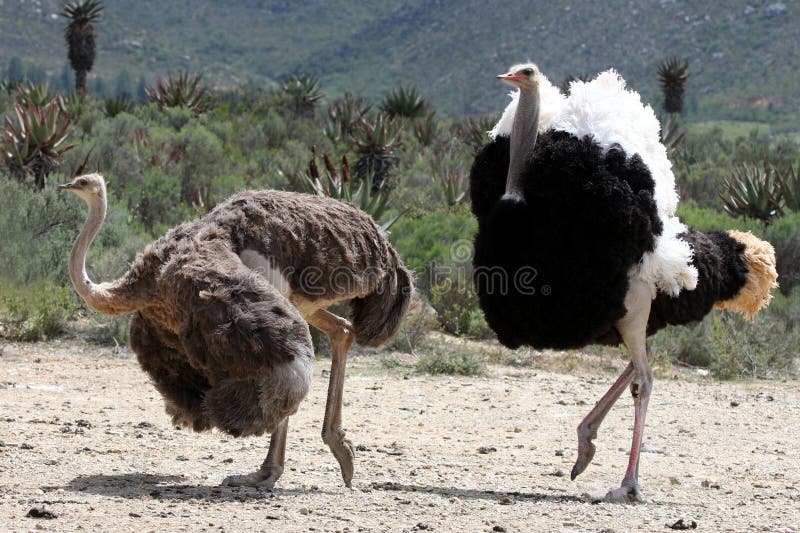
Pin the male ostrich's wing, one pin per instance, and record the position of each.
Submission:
(237, 323)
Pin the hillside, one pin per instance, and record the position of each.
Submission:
(743, 56)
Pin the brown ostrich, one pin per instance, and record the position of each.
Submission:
(222, 305)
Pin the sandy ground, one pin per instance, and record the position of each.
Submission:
(85, 437)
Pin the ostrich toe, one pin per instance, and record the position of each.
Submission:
(264, 478)
(586, 449)
(342, 449)
(627, 493)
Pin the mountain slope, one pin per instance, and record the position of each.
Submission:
(744, 58)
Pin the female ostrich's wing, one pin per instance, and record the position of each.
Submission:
(553, 272)
(236, 324)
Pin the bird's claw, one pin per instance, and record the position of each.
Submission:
(344, 452)
(627, 493)
(586, 451)
(264, 478)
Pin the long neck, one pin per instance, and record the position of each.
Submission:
(523, 140)
(102, 297)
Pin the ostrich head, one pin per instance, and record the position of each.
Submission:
(522, 76)
(90, 187)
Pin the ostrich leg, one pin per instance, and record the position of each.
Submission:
(587, 429)
(633, 328)
(271, 469)
(340, 334)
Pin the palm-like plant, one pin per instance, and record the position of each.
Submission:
(672, 75)
(80, 36)
(337, 183)
(180, 90)
(789, 186)
(425, 129)
(672, 133)
(34, 143)
(113, 106)
(751, 192)
(31, 93)
(343, 114)
(375, 143)
(404, 102)
(474, 131)
(303, 94)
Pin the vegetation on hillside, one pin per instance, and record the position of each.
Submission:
(175, 153)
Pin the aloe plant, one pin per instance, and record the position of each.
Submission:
(425, 129)
(788, 181)
(303, 94)
(673, 73)
(672, 133)
(375, 142)
(447, 171)
(34, 143)
(180, 90)
(404, 102)
(37, 94)
(474, 131)
(80, 36)
(113, 106)
(751, 192)
(338, 184)
(343, 114)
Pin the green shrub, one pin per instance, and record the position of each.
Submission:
(457, 310)
(35, 311)
(444, 360)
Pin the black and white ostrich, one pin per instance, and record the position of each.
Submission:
(578, 242)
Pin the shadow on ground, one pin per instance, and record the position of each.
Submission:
(166, 487)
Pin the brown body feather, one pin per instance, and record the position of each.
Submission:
(223, 346)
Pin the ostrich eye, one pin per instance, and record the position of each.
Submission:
(82, 183)
(527, 71)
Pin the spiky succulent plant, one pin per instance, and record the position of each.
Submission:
(80, 36)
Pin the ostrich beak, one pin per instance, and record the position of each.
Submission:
(67, 186)
(510, 77)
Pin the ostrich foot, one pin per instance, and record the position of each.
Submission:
(264, 478)
(586, 449)
(342, 449)
(627, 493)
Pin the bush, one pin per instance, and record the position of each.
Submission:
(457, 309)
(31, 312)
(446, 361)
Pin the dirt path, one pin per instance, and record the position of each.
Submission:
(84, 436)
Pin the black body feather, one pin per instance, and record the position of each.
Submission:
(587, 219)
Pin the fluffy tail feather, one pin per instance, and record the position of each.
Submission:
(377, 316)
(736, 271)
(759, 259)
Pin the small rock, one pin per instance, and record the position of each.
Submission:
(181, 458)
(134, 515)
(556, 473)
(674, 481)
(487, 449)
(143, 425)
(41, 512)
(422, 526)
(709, 484)
(506, 500)
(682, 525)
(499, 529)
(305, 511)
(734, 403)
(559, 453)
(228, 460)
(25, 446)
